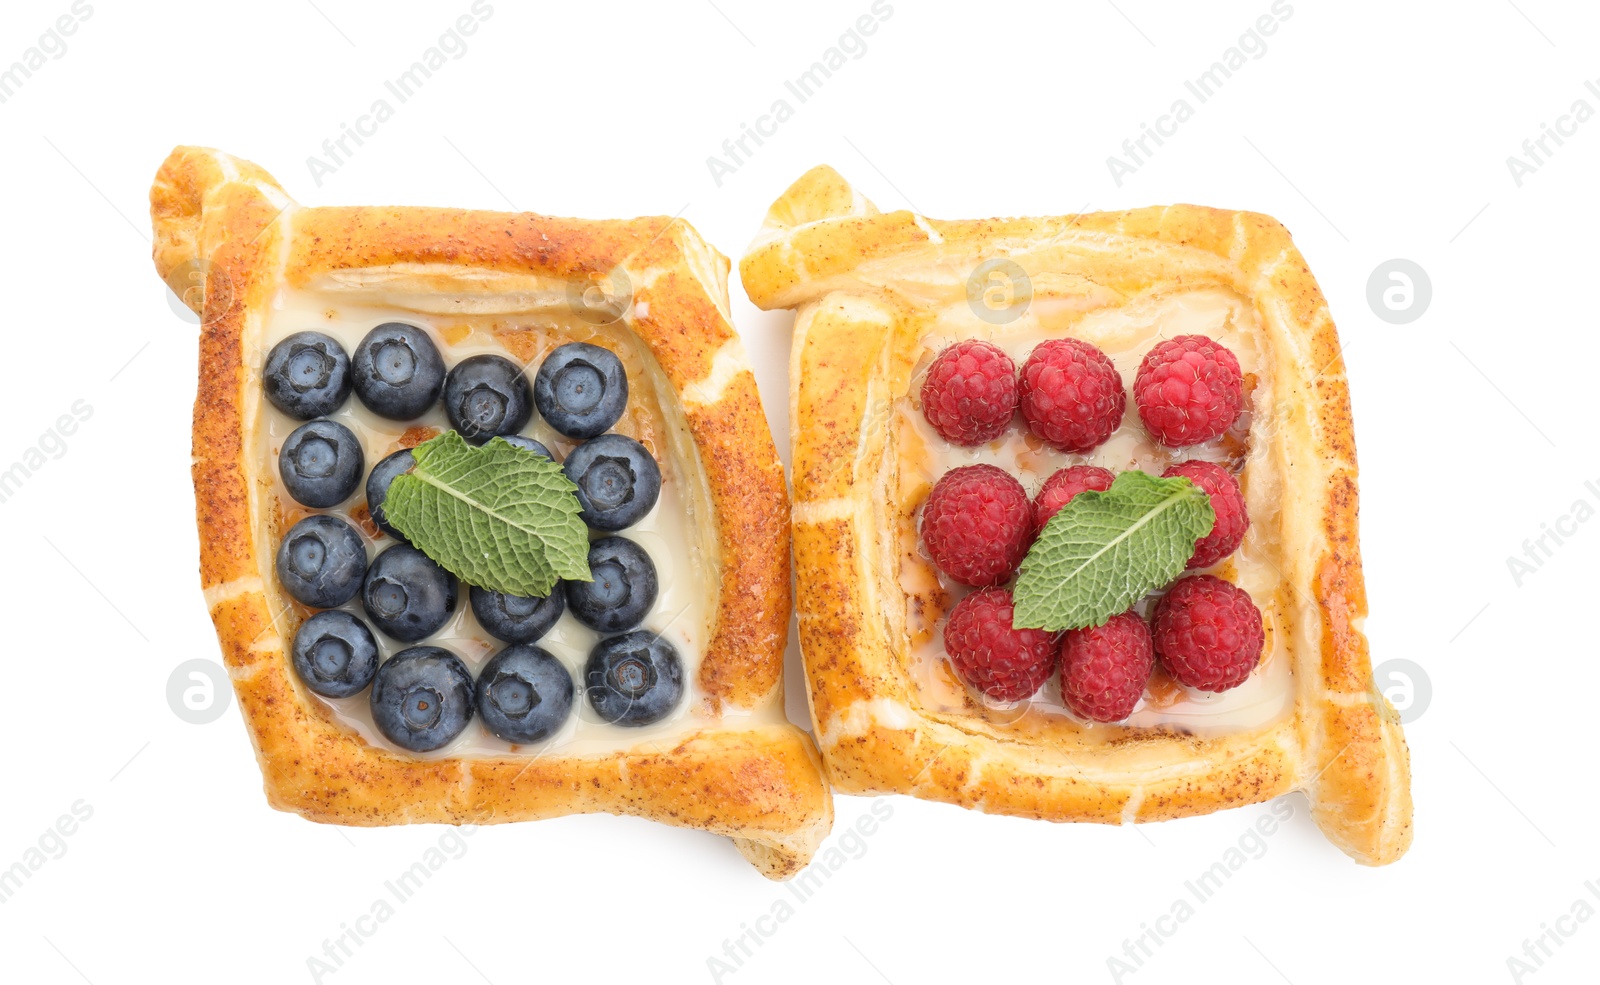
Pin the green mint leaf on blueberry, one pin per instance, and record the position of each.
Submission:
(497, 516)
(1105, 550)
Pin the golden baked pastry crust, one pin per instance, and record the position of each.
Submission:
(760, 784)
(861, 281)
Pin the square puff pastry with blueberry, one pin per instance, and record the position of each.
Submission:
(877, 296)
(250, 262)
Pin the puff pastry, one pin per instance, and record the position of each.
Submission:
(733, 765)
(876, 293)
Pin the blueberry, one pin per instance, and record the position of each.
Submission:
(321, 561)
(378, 482)
(307, 375)
(485, 396)
(397, 371)
(524, 694)
(407, 595)
(636, 679)
(335, 654)
(537, 447)
(581, 389)
(623, 589)
(618, 482)
(422, 698)
(514, 618)
(321, 464)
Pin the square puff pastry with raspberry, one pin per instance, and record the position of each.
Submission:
(877, 295)
(235, 246)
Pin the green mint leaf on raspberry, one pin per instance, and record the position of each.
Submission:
(1105, 550)
(497, 516)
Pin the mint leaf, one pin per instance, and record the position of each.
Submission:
(496, 516)
(1105, 550)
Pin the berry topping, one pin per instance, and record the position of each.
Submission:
(422, 698)
(335, 654)
(1227, 502)
(1188, 390)
(321, 464)
(397, 371)
(1071, 394)
(528, 444)
(970, 393)
(485, 396)
(622, 590)
(581, 389)
(1066, 483)
(524, 694)
(378, 482)
(1104, 669)
(618, 482)
(307, 375)
(989, 655)
(977, 524)
(514, 618)
(634, 679)
(321, 561)
(407, 595)
(1208, 633)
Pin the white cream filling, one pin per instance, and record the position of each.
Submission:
(678, 533)
(1125, 334)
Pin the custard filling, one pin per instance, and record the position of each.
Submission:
(1124, 333)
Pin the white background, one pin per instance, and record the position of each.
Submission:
(1374, 130)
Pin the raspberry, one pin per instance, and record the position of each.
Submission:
(988, 654)
(1071, 395)
(1104, 669)
(1188, 390)
(1227, 502)
(970, 394)
(977, 524)
(1059, 489)
(1208, 633)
